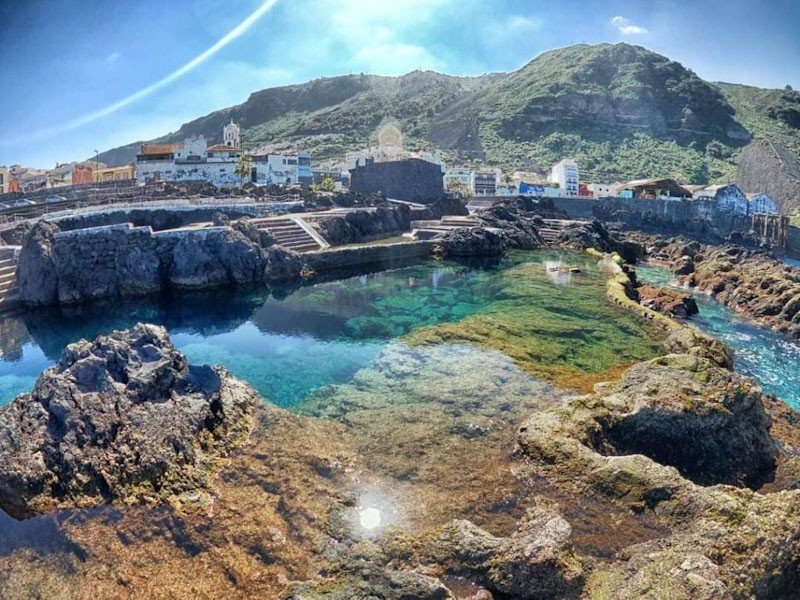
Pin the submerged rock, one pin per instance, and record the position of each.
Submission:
(122, 418)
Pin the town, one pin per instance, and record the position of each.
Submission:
(389, 169)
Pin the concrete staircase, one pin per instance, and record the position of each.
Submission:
(8, 275)
(292, 233)
(553, 227)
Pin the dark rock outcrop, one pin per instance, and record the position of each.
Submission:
(38, 279)
(216, 256)
(123, 418)
(364, 226)
(282, 265)
(593, 234)
(474, 241)
(521, 227)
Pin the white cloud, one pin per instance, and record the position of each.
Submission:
(519, 23)
(113, 57)
(626, 27)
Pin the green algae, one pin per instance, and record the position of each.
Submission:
(555, 326)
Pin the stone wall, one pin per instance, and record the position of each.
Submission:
(156, 218)
(698, 218)
(413, 180)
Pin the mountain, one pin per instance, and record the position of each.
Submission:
(622, 111)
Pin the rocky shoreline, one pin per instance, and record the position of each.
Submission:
(644, 486)
(751, 282)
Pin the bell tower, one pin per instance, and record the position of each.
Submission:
(230, 135)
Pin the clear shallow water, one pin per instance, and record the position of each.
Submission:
(768, 357)
(289, 346)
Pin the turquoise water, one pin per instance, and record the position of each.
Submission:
(284, 347)
(768, 357)
(290, 343)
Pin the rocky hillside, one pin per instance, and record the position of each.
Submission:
(621, 110)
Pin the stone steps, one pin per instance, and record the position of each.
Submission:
(8, 275)
(288, 233)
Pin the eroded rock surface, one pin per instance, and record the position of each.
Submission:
(474, 241)
(122, 418)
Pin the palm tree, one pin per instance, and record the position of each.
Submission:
(244, 167)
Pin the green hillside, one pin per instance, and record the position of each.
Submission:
(622, 111)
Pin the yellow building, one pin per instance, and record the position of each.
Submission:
(114, 174)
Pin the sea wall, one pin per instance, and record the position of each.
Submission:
(157, 218)
(698, 218)
(68, 267)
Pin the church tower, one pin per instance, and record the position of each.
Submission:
(230, 135)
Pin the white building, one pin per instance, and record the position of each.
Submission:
(728, 198)
(3, 180)
(193, 160)
(565, 173)
(283, 169)
(457, 178)
(602, 190)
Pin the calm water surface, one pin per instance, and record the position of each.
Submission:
(288, 347)
(768, 357)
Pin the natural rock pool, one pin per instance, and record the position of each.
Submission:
(553, 324)
(768, 357)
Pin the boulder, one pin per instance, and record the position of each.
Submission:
(474, 241)
(123, 418)
(36, 270)
(688, 340)
(535, 561)
(217, 256)
(282, 265)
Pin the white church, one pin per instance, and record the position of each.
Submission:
(193, 160)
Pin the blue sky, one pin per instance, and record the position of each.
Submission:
(66, 64)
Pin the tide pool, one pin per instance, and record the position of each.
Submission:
(555, 325)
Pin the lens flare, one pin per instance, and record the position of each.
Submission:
(136, 96)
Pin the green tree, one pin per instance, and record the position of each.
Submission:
(244, 167)
(328, 185)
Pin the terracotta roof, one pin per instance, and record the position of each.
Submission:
(159, 148)
(222, 148)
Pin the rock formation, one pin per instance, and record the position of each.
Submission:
(124, 418)
(751, 282)
(363, 226)
(474, 242)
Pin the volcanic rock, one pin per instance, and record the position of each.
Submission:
(123, 418)
(474, 241)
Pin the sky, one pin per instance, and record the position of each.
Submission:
(86, 75)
